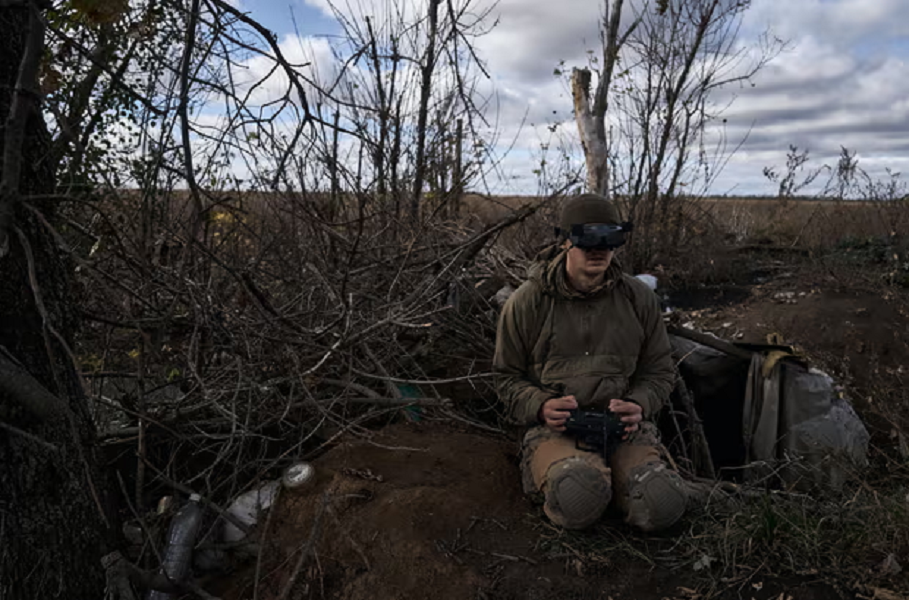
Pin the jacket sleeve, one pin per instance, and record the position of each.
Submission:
(654, 375)
(513, 359)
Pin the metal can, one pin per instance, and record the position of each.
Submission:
(297, 476)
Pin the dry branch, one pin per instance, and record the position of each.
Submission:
(308, 547)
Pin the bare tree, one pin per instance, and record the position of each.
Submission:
(401, 82)
(644, 137)
(591, 120)
(51, 491)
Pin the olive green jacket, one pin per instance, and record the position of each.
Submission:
(554, 341)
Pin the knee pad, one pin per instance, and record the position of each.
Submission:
(576, 493)
(656, 497)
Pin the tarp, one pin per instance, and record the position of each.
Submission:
(799, 427)
(769, 417)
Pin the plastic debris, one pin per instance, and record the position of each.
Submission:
(247, 508)
(181, 537)
(503, 295)
(890, 566)
(165, 504)
(648, 279)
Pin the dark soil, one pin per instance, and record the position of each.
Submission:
(448, 520)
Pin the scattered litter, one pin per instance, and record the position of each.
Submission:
(181, 538)
(165, 504)
(703, 563)
(363, 474)
(297, 475)
(247, 508)
(503, 295)
(785, 297)
(890, 566)
(727, 325)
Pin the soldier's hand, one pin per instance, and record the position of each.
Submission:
(629, 413)
(554, 412)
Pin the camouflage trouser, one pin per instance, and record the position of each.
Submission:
(577, 485)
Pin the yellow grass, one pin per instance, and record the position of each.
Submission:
(794, 221)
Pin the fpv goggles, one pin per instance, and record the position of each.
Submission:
(599, 237)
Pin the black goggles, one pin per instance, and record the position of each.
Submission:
(599, 237)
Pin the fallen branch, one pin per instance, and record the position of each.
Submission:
(307, 547)
(709, 340)
(120, 571)
(189, 491)
(703, 462)
(423, 381)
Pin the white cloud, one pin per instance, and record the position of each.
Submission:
(532, 37)
(842, 82)
(839, 22)
(266, 83)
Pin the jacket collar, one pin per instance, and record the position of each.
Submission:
(548, 269)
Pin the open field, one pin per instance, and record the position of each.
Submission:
(805, 222)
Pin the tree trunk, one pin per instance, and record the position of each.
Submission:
(52, 531)
(426, 72)
(595, 149)
(591, 120)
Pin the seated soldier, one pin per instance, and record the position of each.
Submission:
(581, 333)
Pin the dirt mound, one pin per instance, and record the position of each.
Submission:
(856, 332)
(425, 511)
(860, 327)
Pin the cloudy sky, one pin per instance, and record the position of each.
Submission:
(843, 81)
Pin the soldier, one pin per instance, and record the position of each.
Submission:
(581, 333)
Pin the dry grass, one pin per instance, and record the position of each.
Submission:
(854, 543)
(805, 222)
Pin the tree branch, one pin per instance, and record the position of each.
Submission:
(116, 76)
(279, 56)
(183, 110)
(17, 384)
(22, 105)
